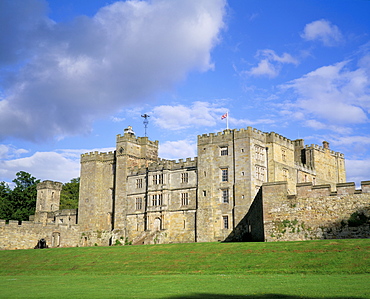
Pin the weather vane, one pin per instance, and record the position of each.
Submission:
(146, 121)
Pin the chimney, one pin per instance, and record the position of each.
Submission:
(325, 144)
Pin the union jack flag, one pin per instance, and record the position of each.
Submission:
(224, 116)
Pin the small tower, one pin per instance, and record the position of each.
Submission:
(48, 199)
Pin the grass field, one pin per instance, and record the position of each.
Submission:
(311, 269)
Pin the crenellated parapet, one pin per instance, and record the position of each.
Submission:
(324, 149)
(137, 140)
(279, 139)
(307, 189)
(250, 132)
(230, 134)
(49, 185)
(219, 137)
(97, 156)
(164, 164)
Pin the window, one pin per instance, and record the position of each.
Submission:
(184, 199)
(225, 195)
(283, 154)
(224, 174)
(225, 220)
(157, 179)
(184, 177)
(260, 173)
(139, 203)
(259, 152)
(156, 199)
(139, 183)
(224, 151)
(285, 174)
(204, 193)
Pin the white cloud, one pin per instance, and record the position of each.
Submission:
(358, 170)
(323, 31)
(334, 94)
(58, 165)
(180, 149)
(71, 74)
(270, 63)
(42, 165)
(350, 140)
(9, 151)
(181, 117)
(317, 125)
(264, 68)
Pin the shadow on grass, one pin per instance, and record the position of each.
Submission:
(266, 296)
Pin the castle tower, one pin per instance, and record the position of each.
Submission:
(131, 151)
(48, 199)
(231, 168)
(95, 205)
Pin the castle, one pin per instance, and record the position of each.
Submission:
(244, 185)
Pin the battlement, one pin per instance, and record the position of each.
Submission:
(323, 149)
(49, 185)
(249, 132)
(219, 137)
(307, 189)
(97, 156)
(164, 164)
(273, 137)
(16, 223)
(229, 134)
(137, 140)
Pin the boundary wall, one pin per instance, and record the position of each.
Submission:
(316, 212)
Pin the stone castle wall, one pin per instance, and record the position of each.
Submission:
(315, 212)
(26, 234)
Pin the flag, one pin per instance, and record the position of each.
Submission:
(224, 116)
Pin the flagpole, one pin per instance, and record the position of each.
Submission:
(227, 120)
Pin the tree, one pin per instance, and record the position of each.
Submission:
(23, 197)
(69, 194)
(5, 206)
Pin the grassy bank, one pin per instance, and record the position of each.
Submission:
(313, 269)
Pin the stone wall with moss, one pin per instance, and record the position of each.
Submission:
(316, 212)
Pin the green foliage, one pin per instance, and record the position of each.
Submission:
(357, 219)
(117, 243)
(69, 195)
(19, 203)
(5, 205)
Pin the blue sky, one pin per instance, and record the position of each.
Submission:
(74, 74)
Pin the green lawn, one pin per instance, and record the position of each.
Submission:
(310, 269)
